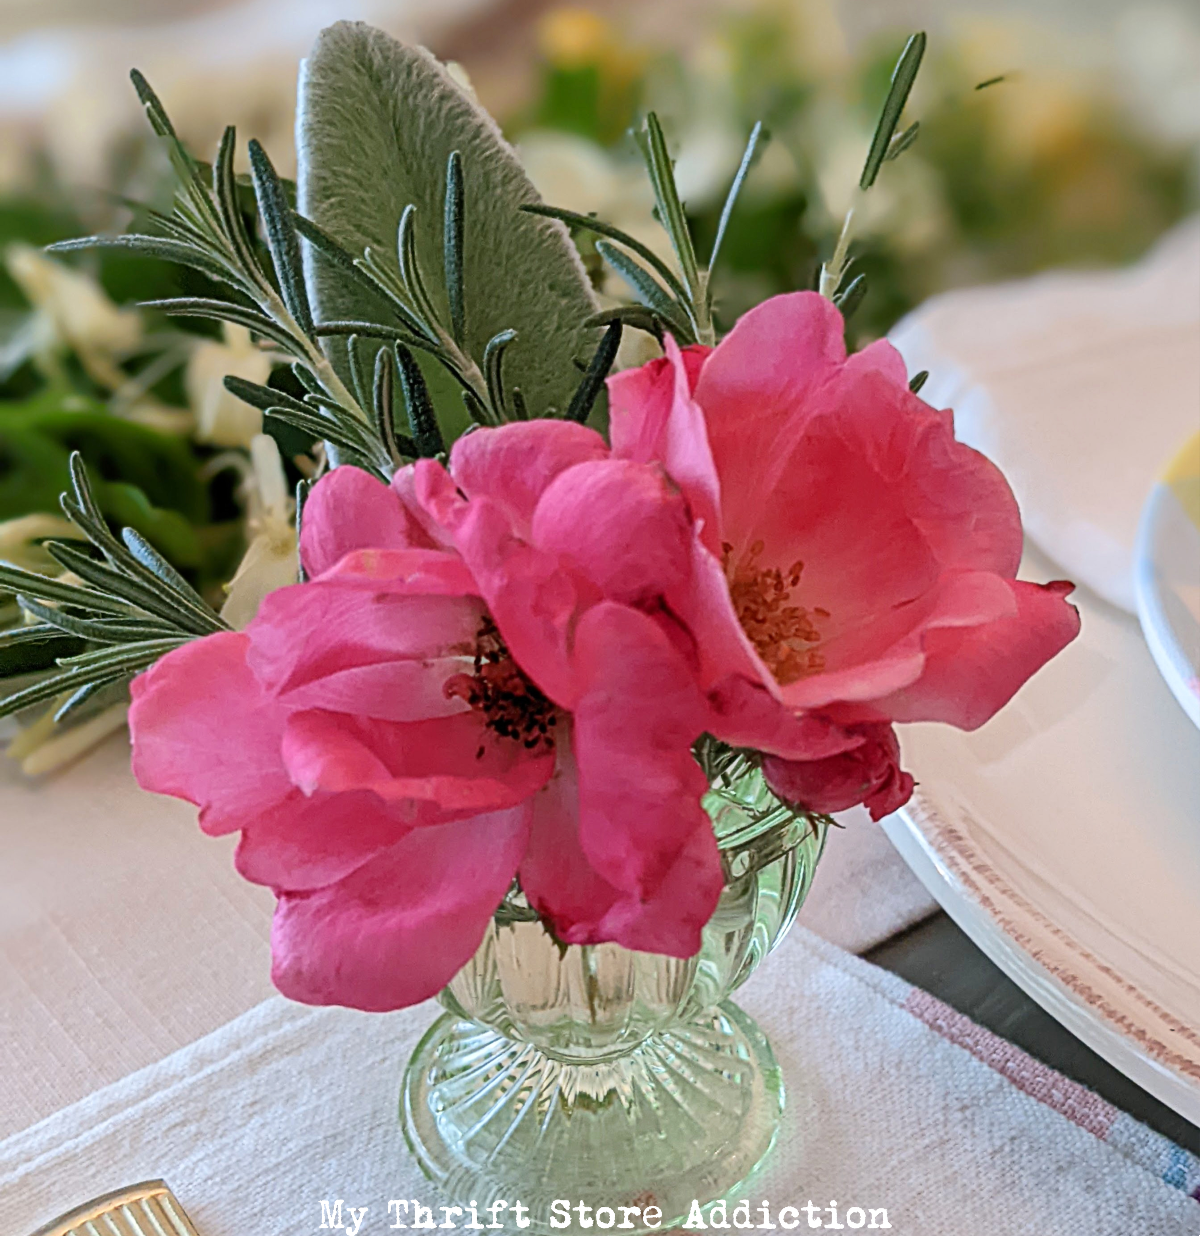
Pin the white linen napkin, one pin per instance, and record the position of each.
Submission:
(1081, 385)
(863, 892)
(125, 934)
(894, 1102)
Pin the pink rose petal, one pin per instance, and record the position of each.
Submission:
(638, 714)
(348, 509)
(439, 768)
(971, 672)
(621, 524)
(513, 466)
(399, 928)
(868, 773)
(378, 647)
(204, 730)
(584, 908)
(654, 417)
(308, 842)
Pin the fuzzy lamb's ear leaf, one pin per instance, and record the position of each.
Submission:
(377, 124)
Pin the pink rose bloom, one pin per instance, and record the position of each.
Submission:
(867, 772)
(498, 670)
(860, 563)
(480, 681)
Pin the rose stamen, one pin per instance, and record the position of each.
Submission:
(782, 633)
(512, 706)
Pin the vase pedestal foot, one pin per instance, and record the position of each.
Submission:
(685, 1117)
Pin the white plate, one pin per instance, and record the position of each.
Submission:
(1064, 838)
(1079, 385)
(1167, 576)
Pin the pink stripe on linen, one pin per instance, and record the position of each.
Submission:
(1077, 1103)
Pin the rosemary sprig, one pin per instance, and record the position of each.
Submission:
(453, 248)
(670, 209)
(679, 301)
(903, 77)
(130, 607)
(422, 422)
(597, 371)
(266, 293)
(886, 145)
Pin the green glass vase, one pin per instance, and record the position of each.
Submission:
(610, 1077)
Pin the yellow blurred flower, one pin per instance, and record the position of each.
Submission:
(1039, 119)
(571, 38)
(1046, 105)
(575, 40)
(43, 747)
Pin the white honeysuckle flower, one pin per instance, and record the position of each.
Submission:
(577, 174)
(1158, 67)
(572, 172)
(44, 747)
(221, 418)
(73, 312)
(708, 157)
(159, 416)
(461, 78)
(20, 541)
(271, 559)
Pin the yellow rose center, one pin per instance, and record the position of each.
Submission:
(783, 634)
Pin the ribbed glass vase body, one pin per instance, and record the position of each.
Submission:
(616, 1078)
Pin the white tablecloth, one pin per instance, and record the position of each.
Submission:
(894, 1101)
(125, 934)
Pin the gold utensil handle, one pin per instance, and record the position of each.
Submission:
(146, 1209)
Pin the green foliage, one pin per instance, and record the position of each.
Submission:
(261, 289)
(131, 608)
(34, 649)
(677, 301)
(1002, 198)
(42, 221)
(377, 295)
(147, 479)
(432, 271)
(379, 123)
(899, 88)
(593, 379)
(587, 100)
(1088, 189)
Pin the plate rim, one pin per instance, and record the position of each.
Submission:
(1052, 970)
(1165, 651)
